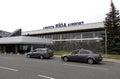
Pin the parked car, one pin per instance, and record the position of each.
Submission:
(40, 53)
(83, 55)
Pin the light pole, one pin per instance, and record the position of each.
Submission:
(106, 42)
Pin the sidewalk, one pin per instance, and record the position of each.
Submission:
(111, 60)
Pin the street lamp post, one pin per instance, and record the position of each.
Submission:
(106, 42)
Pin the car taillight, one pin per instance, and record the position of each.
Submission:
(100, 55)
(47, 52)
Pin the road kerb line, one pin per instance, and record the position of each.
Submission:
(98, 68)
(8, 68)
(45, 76)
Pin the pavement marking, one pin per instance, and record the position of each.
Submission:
(45, 76)
(98, 68)
(8, 68)
(7, 58)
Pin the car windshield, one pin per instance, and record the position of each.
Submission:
(33, 50)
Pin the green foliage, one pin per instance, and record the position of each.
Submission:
(61, 52)
(112, 56)
(112, 25)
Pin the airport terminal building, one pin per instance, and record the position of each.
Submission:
(62, 36)
(72, 36)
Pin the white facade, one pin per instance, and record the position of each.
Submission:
(24, 40)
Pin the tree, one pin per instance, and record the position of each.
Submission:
(112, 26)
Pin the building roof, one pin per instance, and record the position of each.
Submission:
(4, 33)
(65, 29)
(15, 33)
(8, 34)
(25, 40)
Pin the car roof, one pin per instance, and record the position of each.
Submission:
(41, 48)
(85, 49)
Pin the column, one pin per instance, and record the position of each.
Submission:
(0, 49)
(4, 49)
(60, 36)
(16, 48)
(81, 37)
(31, 49)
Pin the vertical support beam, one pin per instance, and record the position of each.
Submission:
(60, 36)
(81, 37)
(93, 35)
(16, 48)
(106, 42)
(0, 49)
(4, 49)
(31, 49)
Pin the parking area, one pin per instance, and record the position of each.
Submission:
(20, 67)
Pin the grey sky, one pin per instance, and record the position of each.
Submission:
(35, 14)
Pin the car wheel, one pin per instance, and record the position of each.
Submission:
(41, 57)
(65, 59)
(90, 61)
(28, 56)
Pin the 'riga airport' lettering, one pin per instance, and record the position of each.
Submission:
(63, 25)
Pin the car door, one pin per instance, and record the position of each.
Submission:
(83, 55)
(38, 53)
(35, 53)
(32, 53)
(74, 55)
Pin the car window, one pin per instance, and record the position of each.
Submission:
(84, 52)
(75, 52)
(34, 50)
(49, 50)
(41, 51)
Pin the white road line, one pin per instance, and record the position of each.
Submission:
(99, 68)
(45, 76)
(7, 58)
(8, 68)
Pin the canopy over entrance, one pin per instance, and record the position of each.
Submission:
(17, 43)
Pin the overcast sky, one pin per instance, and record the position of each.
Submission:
(35, 14)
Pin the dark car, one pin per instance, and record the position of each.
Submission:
(83, 55)
(40, 53)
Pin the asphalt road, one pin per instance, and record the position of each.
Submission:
(20, 67)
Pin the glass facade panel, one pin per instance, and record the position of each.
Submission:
(71, 36)
(56, 36)
(77, 35)
(99, 33)
(87, 34)
(65, 36)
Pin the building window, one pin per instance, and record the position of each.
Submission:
(87, 34)
(56, 36)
